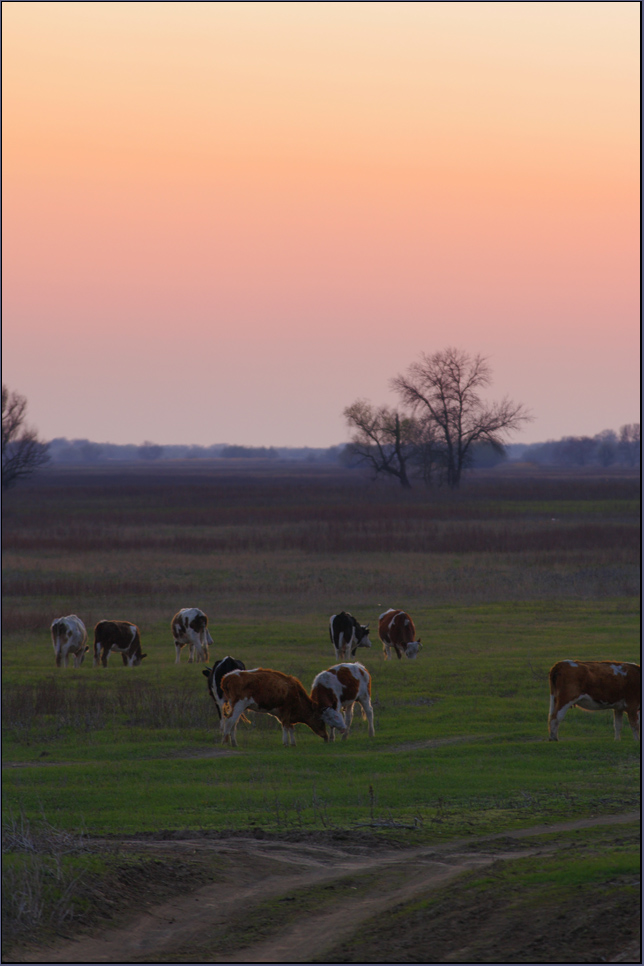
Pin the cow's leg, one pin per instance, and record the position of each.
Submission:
(368, 710)
(124, 658)
(348, 718)
(291, 732)
(634, 722)
(97, 654)
(618, 721)
(553, 724)
(557, 713)
(230, 727)
(386, 651)
(398, 651)
(177, 659)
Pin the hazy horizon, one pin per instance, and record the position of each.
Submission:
(232, 220)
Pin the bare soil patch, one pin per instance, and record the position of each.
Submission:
(305, 899)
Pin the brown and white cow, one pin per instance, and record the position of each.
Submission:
(121, 636)
(69, 636)
(190, 626)
(396, 629)
(280, 695)
(339, 687)
(595, 686)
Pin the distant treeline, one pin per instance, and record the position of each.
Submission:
(607, 448)
(62, 450)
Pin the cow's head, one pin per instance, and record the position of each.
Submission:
(412, 649)
(325, 710)
(136, 659)
(316, 722)
(362, 637)
(334, 719)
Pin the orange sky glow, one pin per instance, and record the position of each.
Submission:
(224, 222)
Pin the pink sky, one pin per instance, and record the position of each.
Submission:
(224, 222)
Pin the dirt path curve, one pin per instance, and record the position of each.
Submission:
(271, 869)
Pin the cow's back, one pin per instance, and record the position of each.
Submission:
(396, 627)
(269, 688)
(116, 632)
(604, 681)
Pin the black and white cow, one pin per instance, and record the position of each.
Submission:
(215, 674)
(121, 636)
(190, 626)
(347, 635)
(69, 636)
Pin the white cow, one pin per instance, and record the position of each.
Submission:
(190, 626)
(69, 636)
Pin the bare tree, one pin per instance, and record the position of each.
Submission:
(383, 439)
(444, 389)
(22, 451)
(629, 443)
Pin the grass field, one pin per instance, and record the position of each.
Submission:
(502, 580)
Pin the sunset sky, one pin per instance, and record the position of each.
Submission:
(225, 222)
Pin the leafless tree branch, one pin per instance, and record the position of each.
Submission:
(22, 451)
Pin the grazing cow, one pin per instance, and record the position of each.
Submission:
(190, 626)
(396, 629)
(595, 686)
(69, 636)
(215, 674)
(118, 636)
(347, 635)
(279, 695)
(340, 687)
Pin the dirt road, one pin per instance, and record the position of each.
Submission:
(355, 884)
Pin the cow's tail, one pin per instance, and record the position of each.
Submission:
(553, 678)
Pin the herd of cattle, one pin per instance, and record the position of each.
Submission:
(591, 685)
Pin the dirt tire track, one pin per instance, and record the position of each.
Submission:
(168, 926)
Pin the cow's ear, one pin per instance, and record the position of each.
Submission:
(143, 655)
(206, 673)
(419, 640)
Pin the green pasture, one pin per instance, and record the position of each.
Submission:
(460, 747)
